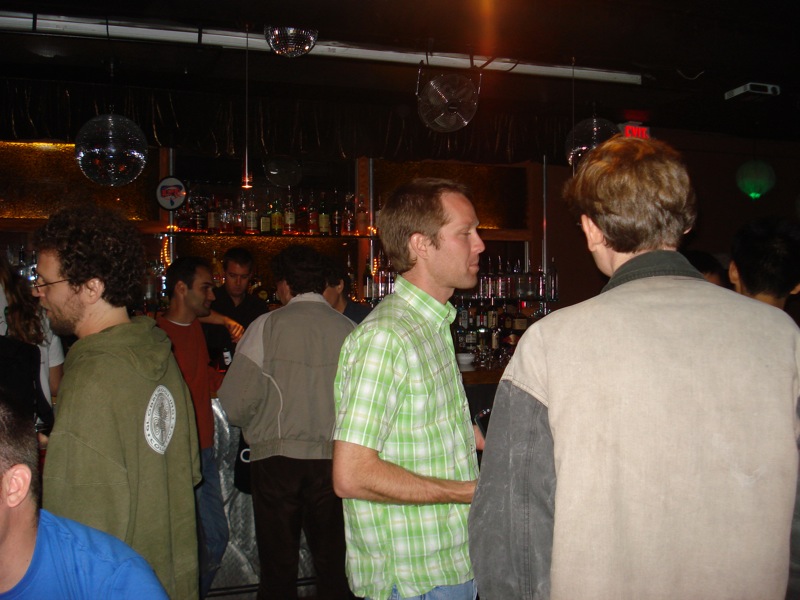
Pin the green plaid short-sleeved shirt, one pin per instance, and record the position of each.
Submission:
(398, 391)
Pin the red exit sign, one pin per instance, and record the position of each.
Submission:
(636, 130)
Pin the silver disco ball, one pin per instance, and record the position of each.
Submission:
(111, 150)
(585, 136)
(290, 42)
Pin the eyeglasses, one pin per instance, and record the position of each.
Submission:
(38, 285)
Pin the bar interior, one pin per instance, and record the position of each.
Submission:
(503, 96)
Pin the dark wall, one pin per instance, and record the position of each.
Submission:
(722, 208)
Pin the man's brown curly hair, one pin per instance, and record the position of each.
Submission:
(96, 242)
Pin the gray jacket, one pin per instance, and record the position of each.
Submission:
(279, 387)
(643, 445)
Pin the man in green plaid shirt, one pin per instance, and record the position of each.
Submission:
(404, 450)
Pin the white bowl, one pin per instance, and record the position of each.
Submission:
(465, 358)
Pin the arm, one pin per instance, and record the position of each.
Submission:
(511, 517)
(358, 472)
(232, 326)
(56, 373)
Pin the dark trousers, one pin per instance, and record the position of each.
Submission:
(290, 494)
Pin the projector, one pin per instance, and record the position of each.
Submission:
(751, 90)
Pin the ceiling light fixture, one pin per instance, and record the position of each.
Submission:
(290, 42)
(143, 31)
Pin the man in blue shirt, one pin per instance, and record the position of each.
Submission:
(45, 556)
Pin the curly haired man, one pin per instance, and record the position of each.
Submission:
(123, 456)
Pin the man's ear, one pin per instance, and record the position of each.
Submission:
(93, 290)
(795, 290)
(16, 484)
(418, 244)
(340, 286)
(733, 273)
(594, 237)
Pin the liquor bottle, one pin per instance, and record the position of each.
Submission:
(336, 215)
(551, 282)
(351, 274)
(226, 216)
(289, 221)
(520, 321)
(461, 325)
(381, 277)
(313, 215)
(225, 359)
(362, 216)
(348, 216)
(369, 283)
(471, 338)
(324, 216)
(301, 214)
(482, 327)
(212, 214)
(277, 217)
(265, 220)
(492, 316)
(199, 210)
(503, 280)
(237, 215)
(251, 224)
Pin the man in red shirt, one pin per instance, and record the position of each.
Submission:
(190, 289)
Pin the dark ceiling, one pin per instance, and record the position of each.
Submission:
(689, 53)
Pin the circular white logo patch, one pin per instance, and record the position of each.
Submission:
(159, 420)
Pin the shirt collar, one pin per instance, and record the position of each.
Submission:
(308, 297)
(429, 308)
(657, 263)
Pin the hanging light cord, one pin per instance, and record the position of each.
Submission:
(246, 179)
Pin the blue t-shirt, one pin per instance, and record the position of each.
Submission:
(76, 562)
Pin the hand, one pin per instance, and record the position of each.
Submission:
(479, 441)
(234, 329)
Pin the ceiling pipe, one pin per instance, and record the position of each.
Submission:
(144, 32)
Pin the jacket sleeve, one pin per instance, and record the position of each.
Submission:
(511, 518)
(241, 390)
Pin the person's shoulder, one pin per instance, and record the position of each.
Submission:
(101, 555)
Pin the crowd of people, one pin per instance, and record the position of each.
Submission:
(643, 443)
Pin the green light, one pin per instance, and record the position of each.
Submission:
(755, 178)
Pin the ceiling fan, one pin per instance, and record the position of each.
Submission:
(447, 103)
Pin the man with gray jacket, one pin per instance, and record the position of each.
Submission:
(279, 390)
(643, 442)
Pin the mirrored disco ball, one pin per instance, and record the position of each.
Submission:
(111, 150)
(586, 135)
(290, 41)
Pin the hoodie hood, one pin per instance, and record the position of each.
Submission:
(139, 345)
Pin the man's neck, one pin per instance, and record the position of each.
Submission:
(237, 300)
(179, 314)
(419, 279)
(100, 317)
(341, 303)
(770, 299)
(17, 546)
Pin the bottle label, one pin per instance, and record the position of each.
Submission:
(324, 223)
(212, 219)
(251, 221)
(277, 221)
(265, 224)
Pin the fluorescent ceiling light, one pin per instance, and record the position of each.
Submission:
(140, 31)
